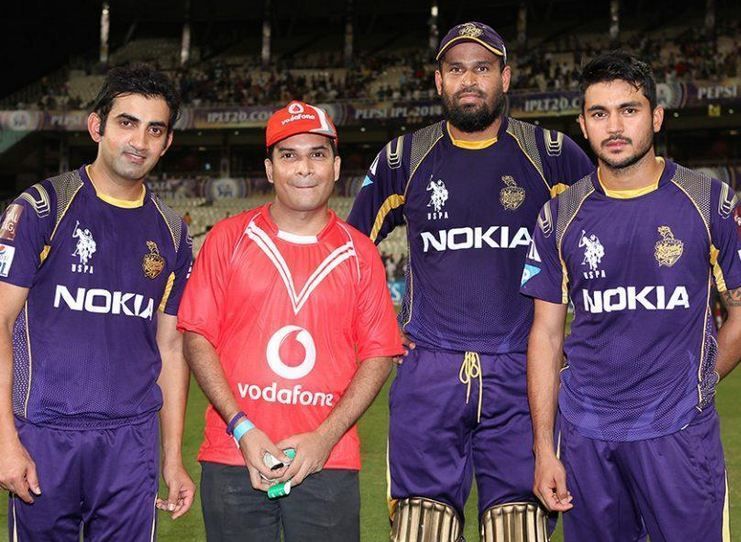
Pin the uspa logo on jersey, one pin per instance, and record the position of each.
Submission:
(6, 259)
(438, 198)
(84, 249)
(668, 249)
(593, 254)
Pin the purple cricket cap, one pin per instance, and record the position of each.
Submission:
(477, 32)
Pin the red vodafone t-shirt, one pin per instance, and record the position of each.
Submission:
(289, 316)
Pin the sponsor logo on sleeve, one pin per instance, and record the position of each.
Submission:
(9, 227)
(529, 272)
(6, 259)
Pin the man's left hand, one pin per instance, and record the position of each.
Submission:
(312, 451)
(180, 490)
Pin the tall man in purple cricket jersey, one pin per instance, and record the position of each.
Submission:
(92, 267)
(635, 245)
(469, 189)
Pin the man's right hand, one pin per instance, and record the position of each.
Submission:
(253, 445)
(550, 483)
(17, 470)
(407, 344)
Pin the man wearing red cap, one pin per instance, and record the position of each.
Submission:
(469, 190)
(290, 331)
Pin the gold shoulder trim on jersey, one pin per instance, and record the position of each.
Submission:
(558, 188)
(697, 188)
(66, 186)
(423, 141)
(168, 291)
(172, 219)
(569, 204)
(391, 203)
(524, 134)
(720, 280)
(44, 253)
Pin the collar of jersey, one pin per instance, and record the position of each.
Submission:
(123, 203)
(470, 145)
(295, 237)
(635, 192)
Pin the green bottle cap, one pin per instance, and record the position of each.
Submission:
(279, 490)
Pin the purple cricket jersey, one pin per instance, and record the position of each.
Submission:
(642, 348)
(84, 345)
(469, 215)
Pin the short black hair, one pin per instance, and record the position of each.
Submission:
(619, 65)
(332, 145)
(136, 79)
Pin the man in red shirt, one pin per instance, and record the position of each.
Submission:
(290, 332)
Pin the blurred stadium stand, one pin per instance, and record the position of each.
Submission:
(379, 88)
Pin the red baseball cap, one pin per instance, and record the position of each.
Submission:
(298, 118)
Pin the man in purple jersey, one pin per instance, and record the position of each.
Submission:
(469, 189)
(635, 245)
(92, 268)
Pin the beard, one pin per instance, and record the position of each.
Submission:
(471, 118)
(644, 147)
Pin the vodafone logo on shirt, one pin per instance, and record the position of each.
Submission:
(295, 395)
(273, 353)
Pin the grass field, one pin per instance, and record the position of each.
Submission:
(374, 522)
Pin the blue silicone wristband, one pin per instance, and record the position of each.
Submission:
(242, 428)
